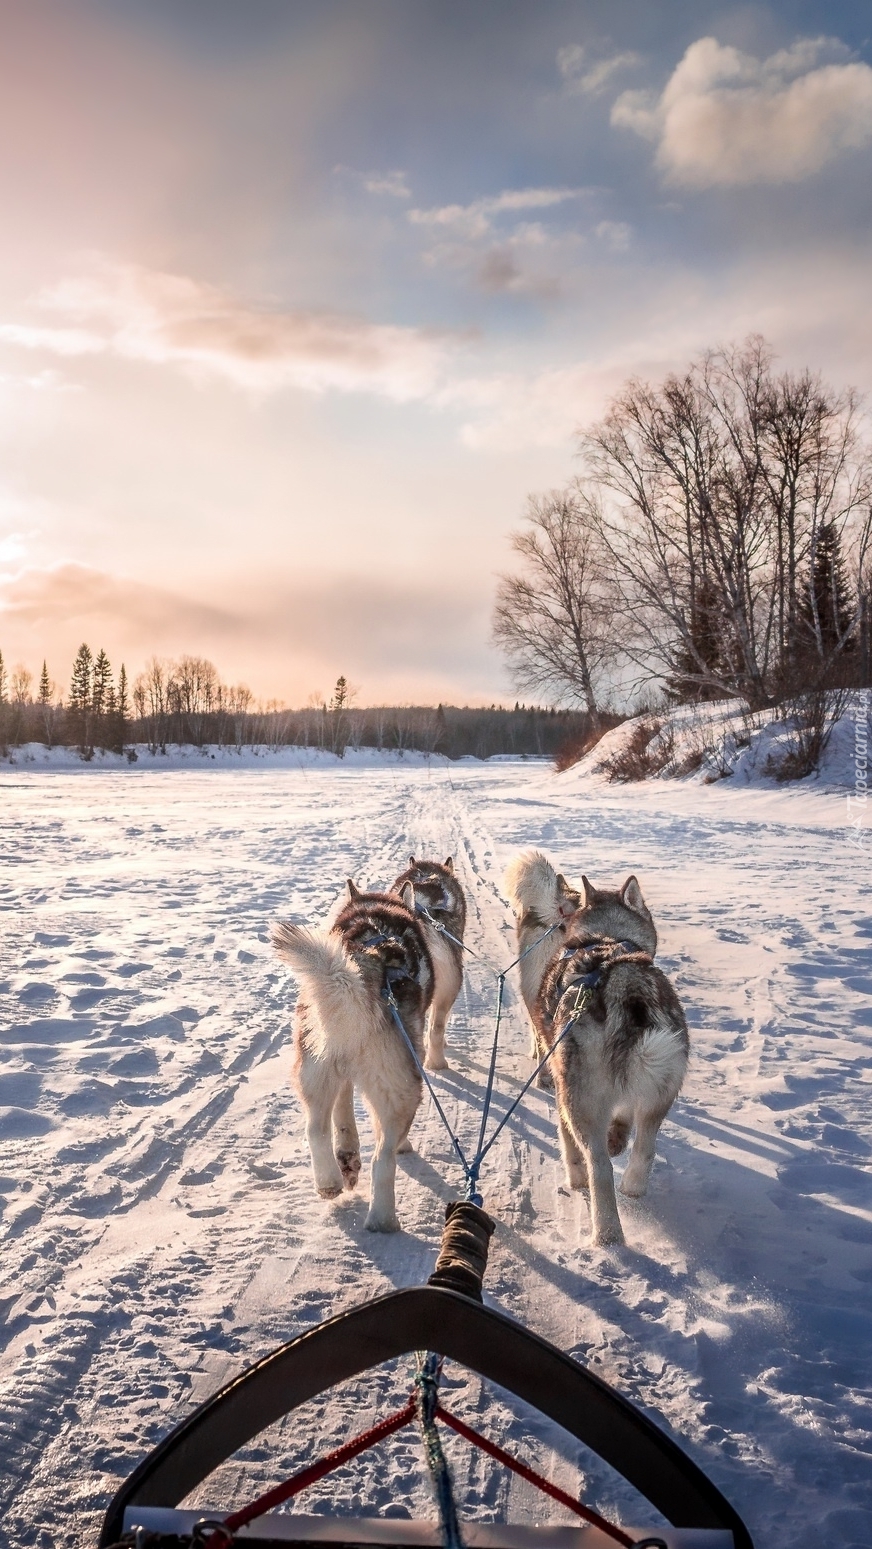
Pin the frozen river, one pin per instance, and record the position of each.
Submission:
(160, 1228)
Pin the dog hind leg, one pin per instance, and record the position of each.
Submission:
(619, 1134)
(605, 1222)
(573, 1156)
(545, 1078)
(319, 1091)
(346, 1141)
(436, 1022)
(393, 1117)
(635, 1180)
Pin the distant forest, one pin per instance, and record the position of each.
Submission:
(185, 702)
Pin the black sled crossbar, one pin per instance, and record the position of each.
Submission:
(488, 1343)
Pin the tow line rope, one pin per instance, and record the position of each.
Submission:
(214, 1533)
(472, 1168)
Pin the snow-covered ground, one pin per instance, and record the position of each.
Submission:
(160, 1227)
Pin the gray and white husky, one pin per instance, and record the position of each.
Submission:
(622, 1063)
(441, 908)
(345, 1037)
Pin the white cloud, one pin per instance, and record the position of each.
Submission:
(393, 183)
(614, 234)
(475, 219)
(725, 117)
(581, 75)
(169, 319)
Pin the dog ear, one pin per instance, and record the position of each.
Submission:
(589, 891)
(448, 863)
(407, 896)
(353, 892)
(631, 895)
(412, 861)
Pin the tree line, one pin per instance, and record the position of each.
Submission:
(184, 702)
(716, 542)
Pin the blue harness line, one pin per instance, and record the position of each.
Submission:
(471, 1169)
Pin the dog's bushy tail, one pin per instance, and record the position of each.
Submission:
(530, 882)
(308, 953)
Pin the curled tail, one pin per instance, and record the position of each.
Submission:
(332, 982)
(530, 882)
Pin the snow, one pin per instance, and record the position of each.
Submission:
(160, 1226)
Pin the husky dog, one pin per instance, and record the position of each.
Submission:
(441, 909)
(623, 1060)
(543, 901)
(345, 1037)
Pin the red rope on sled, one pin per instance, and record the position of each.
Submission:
(316, 1471)
(532, 1477)
(223, 1531)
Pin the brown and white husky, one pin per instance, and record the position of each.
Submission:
(345, 1037)
(441, 908)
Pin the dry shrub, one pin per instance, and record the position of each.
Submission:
(649, 749)
(693, 760)
(814, 716)
(574, 748)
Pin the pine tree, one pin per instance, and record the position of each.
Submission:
(705, 646)
(826, 608)
(80, 705)
(45, 686)
(102, 693)
(120, 713)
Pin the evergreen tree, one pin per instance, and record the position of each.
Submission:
(101, 684)
(702, 651)
(80, 704)
(826, 609)
(45, 686)
(102, 695)
(120, 713)
(4, 682)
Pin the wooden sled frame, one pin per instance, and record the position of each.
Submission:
(486, 1342)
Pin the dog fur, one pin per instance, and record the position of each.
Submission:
(623, 1062)
(437, 888)
(345, 1037)
(540, 898)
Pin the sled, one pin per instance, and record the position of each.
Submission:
(448, 1318)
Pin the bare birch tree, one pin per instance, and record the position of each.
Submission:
(552, 620)
(720, 485)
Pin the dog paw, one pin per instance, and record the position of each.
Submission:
(349, 1166)
(329, 1190)
(404, 1147)
(608, 1237)
(634, 1188)
(434, 1064)
(375, 1223)
(545, 1081)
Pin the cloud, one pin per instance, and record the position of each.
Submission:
(169, 319)
(393, 183)
(590, 78)
(615, 234)
(476, 219)
(814, 313)
(726, 118)
(407, 643)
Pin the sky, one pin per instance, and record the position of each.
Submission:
(300, 299)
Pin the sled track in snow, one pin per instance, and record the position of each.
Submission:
(160, 1227)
